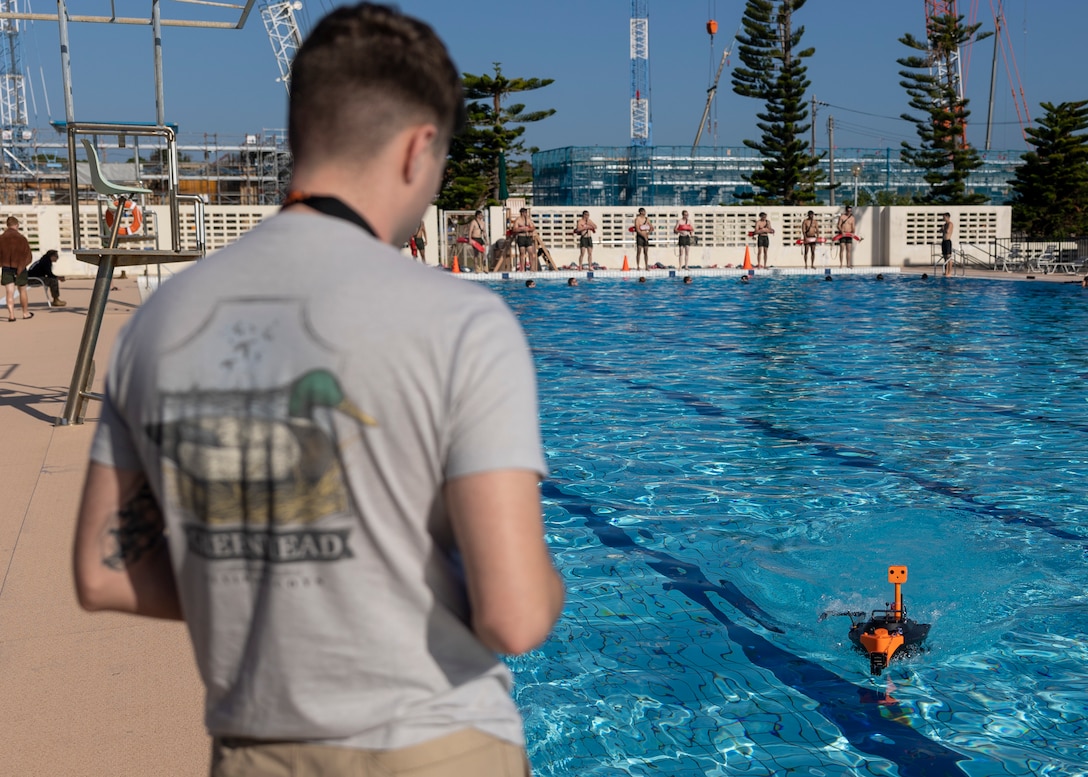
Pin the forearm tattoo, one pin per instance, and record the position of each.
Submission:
(136, 530)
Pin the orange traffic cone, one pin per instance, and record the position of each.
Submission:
(626, 267)
(747, 259)
(456, 266)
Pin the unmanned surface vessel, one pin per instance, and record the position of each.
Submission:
(889, 632)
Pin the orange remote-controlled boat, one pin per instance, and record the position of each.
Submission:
(889, 632)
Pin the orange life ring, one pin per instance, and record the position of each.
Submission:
(135, 218)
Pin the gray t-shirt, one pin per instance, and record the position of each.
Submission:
(297, 401)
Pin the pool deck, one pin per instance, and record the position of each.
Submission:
(106, 693)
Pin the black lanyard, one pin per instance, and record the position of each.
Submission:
(330, 206)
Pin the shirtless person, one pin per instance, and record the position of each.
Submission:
(477, 240)
(762, 232)
(845, 233)
(584, 229)
(643, 229)
(684, 230)
(946, 243)
(420, 239)
(523, 236)
(810, 235)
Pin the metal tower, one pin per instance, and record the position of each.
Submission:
(283, 32)
(13, 116)
(945, 65)
(641, 130)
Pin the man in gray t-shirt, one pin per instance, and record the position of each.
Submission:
(324, 458)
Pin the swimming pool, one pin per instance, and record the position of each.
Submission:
(730, 460)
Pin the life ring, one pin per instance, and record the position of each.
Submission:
(134, 215)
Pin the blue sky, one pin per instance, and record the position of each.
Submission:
(224, 82)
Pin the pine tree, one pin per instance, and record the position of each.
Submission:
(773, 70)
(493, 132)
(943, 154)
(1050, 190)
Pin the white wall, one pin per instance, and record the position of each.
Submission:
(893, 236)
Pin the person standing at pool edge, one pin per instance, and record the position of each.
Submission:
(810, 235)
(763, 233)
(420, 239)
(585, 229)
(845, 234)
(946, 243)
(643, 229)
(348, 534)
(684, 230)
(523, 230)
(477, 240)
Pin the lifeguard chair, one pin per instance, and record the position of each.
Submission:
(116, 250)
(112, 253)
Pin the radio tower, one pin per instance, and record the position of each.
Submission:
(13, 117)
(641, 131)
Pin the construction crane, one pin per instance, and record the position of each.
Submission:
(1003, 43)
(641, 130)
(712, 29)
(946, 65)
(13, 115)
(283, 31)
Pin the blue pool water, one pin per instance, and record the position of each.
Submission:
(729, 461)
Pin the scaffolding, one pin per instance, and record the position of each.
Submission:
(618, 176)
(252, 169)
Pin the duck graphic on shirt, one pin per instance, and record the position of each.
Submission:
(248, 453)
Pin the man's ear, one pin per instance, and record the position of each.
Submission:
(420, 145)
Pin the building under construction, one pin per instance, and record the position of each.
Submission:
(624, 176)
(249, 170)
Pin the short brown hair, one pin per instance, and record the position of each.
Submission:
(363, 74)
(12, 221)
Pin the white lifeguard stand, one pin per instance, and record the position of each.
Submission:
(111, 254)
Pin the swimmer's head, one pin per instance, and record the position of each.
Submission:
(530, 283)
(687, 279)
(642, 279)
(572, 281)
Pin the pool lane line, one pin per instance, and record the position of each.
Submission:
(845, 705)
(846, 455)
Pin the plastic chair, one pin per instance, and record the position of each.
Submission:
(103, 185)
(31, 281)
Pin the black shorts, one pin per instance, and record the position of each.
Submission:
(946, 248)
(524, 241)
(642, 240)
(684, 241)
(9, 276)
(585, 241)
(763, 241)
(846, 241)
(420, 242)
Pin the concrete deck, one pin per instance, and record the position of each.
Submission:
(81, 694)
(88, 694)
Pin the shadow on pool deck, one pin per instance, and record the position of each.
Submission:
(89, 694)
(82, 694)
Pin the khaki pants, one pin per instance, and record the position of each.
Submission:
(467, 753)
